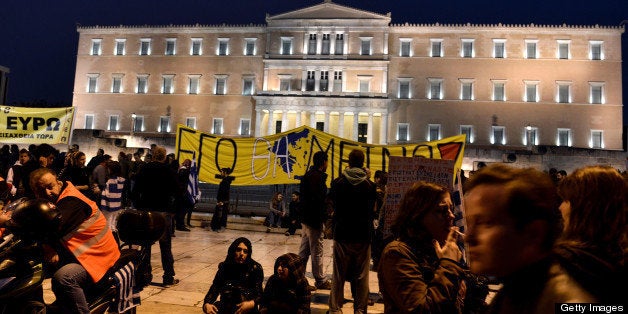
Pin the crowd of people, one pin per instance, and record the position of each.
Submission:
(547, 238)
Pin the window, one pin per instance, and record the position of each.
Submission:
(596, 93)
(403, 134)
(499, 90)
(499, 48)
(563, 92)
(436, 48)
(142, 84)
(193, 84)
(497, 135)
(340, 44)
(467, 48)
(197, 47)
(531, 49)
(249, 46)
(286, 46)
(167, 85)
(145, 46)
(278, 125)
(248, 87)
(466, 89)
(113, 123)
(116, 83)
(311, 45)
(563, 137)
(531, 92)
(468, 131)
(171, 44)
(364, 84)
(223, 47)
(563, 49)
(320, 125)
(365, 46)
(89, 121)
(138, 124)
(404, 88)
(531, 136)
(310, 80)
(96, 47)
(284, 82)
(92, 83)
(164, 124)
(120, 47)
(435, 88)
(338, 81)
(597, 140)
(190, 122)
(245, 127)
(221, 85)
(325, 44)
(363, 132)
(324, 81)
(433, 132)
(595, 50)
(405, 47)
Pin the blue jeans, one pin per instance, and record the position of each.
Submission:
(67, 284)
(312, 244)
(274, 220)
(165, 246)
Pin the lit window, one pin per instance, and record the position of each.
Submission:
(145, 48)
(468, 131)
(364, 84)
(245, 127)
(164, 124)
(311, 45)
(223, 47)
(286, 46)
(531, 49)
(96, 47)
(435, 90)
(338, 81)
(171, 47)
(531, 136)
(499, 48)
(531, 91)
(595, 50)
(120, 48)
(433, 132)
(138, 124)
(403, 134)
(89, 121)
(340, 44)
(436, 47)
(498, 135)
(249, 46)
(116, 83)
(284, 82)
(404, 88)
(190, 122)
(221, 85)
(310, 81)
(563, 49)
(597, 139)
(596, 93)
(467, 50)
(142, 84)
(365, 46)
(563, 92)
(167, 86)
(466, 89)
(323, 83)
(405, 47)
(92, 83)
(499, 90)
(217, 126)
(248, 86)
(325, 44)
(563, 137)
(113, 123)
(197, 47)
(193, 84)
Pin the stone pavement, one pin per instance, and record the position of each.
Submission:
(197, 254)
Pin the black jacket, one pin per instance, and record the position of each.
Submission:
(313, 193)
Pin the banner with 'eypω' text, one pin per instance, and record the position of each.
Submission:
(22, 125)
(283, 158)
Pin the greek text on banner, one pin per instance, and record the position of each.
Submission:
(283, 158)
(22, 125)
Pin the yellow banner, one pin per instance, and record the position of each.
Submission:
(283, 158)
(21, 125)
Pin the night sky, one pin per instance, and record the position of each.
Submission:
(39, 38)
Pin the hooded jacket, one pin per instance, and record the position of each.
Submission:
(291, 295)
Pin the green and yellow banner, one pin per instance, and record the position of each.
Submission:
(283, 158)
(21, 125)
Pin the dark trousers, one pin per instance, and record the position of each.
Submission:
(165, 246)
(219, 219)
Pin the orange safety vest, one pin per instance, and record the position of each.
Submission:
(92, 243)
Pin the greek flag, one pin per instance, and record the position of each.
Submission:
(193, 183)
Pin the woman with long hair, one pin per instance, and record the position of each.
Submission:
(238, 282)
(594, 244)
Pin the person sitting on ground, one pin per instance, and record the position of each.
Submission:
(238, 282)
(293, 213)
(287, 290)
(421, 270)
(277, 211)
(594, 245)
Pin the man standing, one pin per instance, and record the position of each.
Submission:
(353, 196)
(219, 219)
(512, 221)
(313, 214)
(155, 190)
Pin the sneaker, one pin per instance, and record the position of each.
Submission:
(183, 228)
(287, 233)
(171, 282)
(268, 230)
(325, 285)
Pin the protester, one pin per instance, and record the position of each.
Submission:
(276, 212)
(155, 189)
(287, 290)
(15, 178)
(113, 194)
(219, 219)
(594, 245)
(294, 208)
(76, 172)
(512, 222)
(313, 188)
(185, 202)
(238, 282)
(353, 196)
(378, 243)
